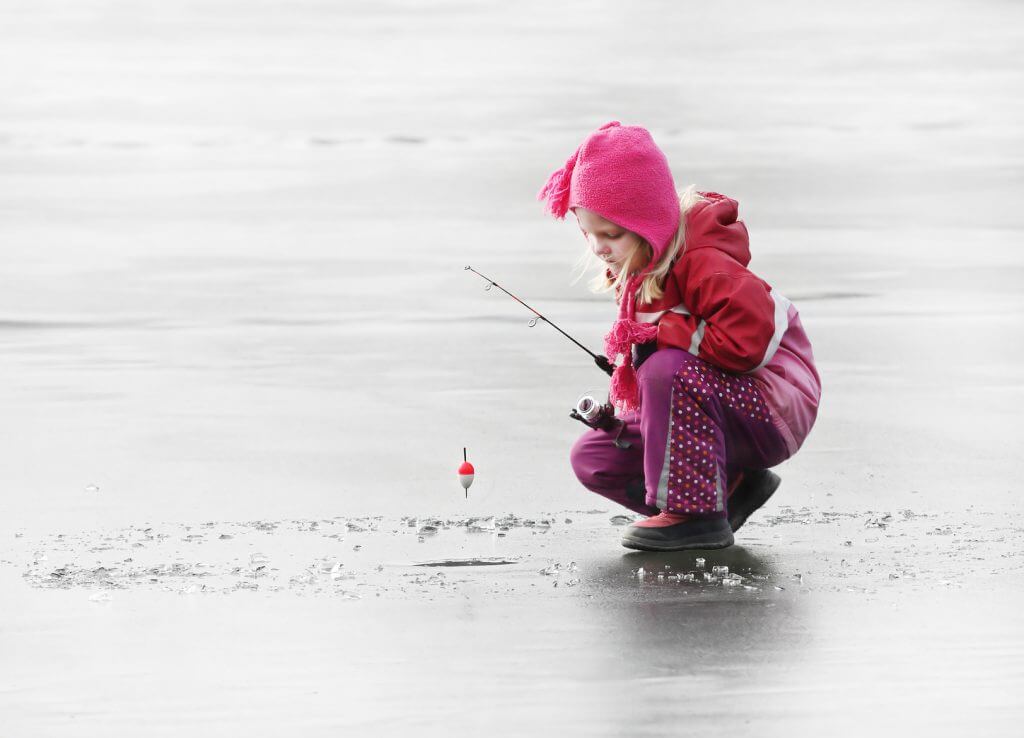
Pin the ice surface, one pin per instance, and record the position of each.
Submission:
(232, 293)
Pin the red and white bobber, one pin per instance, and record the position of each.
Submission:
(466, 473)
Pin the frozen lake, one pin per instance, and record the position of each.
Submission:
(235, 323)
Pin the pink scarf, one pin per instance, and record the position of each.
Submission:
(625, 332)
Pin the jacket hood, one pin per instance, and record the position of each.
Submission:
(712, 224)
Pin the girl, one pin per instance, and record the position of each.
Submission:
(716, 381)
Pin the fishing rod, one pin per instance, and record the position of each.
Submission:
(588, 410)
(601, 361)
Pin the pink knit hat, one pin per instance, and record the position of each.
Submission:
(619, 173)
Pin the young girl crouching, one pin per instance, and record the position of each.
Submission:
(716, 382)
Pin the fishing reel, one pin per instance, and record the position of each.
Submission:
(599, 416)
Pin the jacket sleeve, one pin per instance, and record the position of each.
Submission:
(733, 324)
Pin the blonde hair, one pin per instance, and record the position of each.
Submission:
(652, 285)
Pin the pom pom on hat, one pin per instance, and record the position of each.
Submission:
(556, 190)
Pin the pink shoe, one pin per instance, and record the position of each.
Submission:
(672, 532)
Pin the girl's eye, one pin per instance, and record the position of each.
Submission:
(615, 235)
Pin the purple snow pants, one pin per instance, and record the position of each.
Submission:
(697, 428)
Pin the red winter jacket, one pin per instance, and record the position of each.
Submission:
(717, 309)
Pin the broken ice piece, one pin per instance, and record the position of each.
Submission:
(720, 570)
(699, 563)
(336, 571)
(620, 519)
(481, 524)
(258, 559)
(551, 570)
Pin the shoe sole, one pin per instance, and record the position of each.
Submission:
(707, 541)
(742, 516)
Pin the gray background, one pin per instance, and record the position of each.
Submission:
(233, 237)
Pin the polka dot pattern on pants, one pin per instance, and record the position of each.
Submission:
(696, 445)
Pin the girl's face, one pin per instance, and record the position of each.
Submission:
(609, 242)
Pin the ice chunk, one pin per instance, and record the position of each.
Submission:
(621, 519)
(258, 564)
(481, 524)
(699, 563)
(720, 570)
